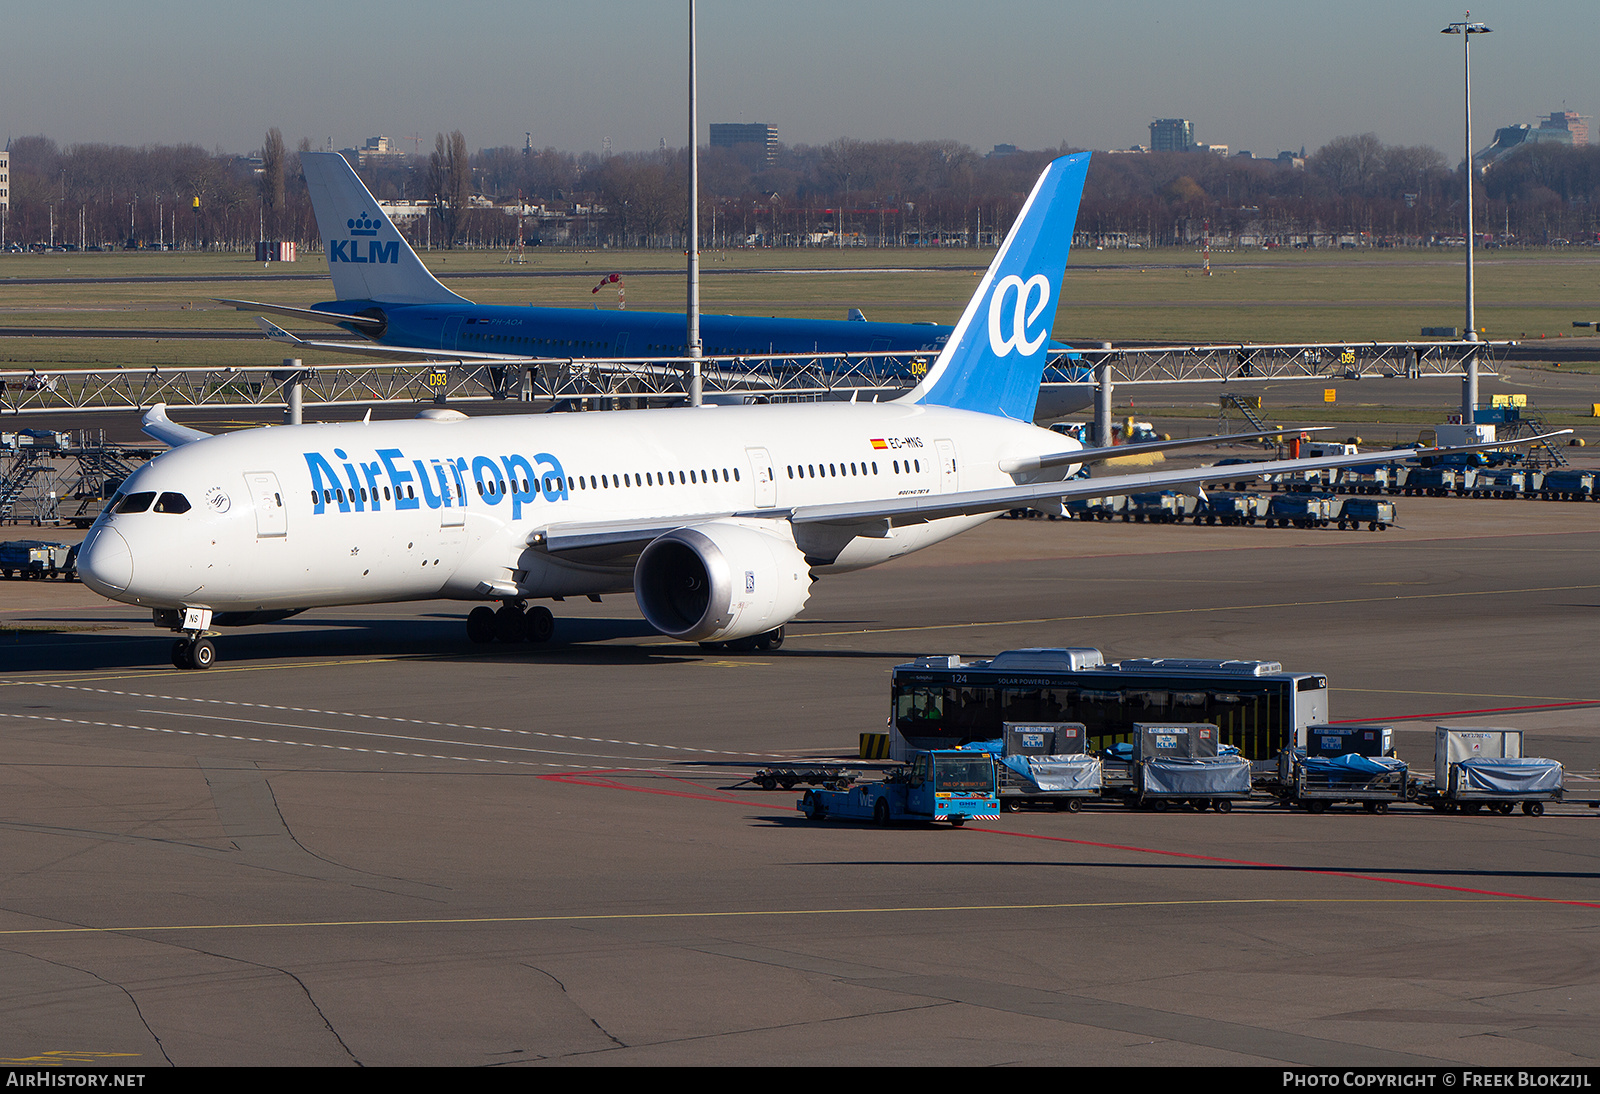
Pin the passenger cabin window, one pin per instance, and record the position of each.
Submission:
(136, 503)
(172, 503)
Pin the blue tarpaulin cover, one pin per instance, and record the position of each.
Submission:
(1525, 775)
(1201, 777)
(1350, 767)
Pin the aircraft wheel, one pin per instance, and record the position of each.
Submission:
(743, 645)
(539, 624)
(880, 813)
(480, 624)
(713, 647)
(510, 625)
(772, 640)
(202, 654)
(180, 654)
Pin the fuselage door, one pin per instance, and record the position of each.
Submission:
(272, 518)
(766, 485)
(949, 480)
(452, 331)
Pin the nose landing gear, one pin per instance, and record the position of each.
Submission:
(194, 650)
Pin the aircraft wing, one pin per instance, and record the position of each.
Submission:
(396, 353)
(926, 507)
(875, 518)
(1096, 455)
(366, 322)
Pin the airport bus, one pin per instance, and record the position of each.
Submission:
(945, 702)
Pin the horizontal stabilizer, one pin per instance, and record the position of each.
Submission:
(314, 315)
(155, 423)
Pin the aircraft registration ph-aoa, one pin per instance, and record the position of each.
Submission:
(387, 295)
(717, 518)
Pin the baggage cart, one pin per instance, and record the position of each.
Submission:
(1232, 508)
(1475, 767)
(1376, 513)
(1180, 764)
(1043, 763)
(1343, 764)
(1301, 510)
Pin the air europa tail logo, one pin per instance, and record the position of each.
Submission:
(1022, 314)
(441, 482)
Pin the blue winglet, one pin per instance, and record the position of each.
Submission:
(996, 355)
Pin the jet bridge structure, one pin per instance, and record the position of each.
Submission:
(570, 383)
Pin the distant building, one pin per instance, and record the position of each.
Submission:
(377, 152)
(1002, 150)
(1171, 135)
(754, 137)
(1576, 124)
(5, 181)
(1561, 127)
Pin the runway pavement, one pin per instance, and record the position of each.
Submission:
(362, 840)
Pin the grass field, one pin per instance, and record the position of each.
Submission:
(1158, 295)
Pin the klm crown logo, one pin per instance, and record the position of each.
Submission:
(363, 226)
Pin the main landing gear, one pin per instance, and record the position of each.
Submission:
(512, 622)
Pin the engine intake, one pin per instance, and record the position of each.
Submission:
(720, 581)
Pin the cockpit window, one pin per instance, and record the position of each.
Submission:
(135, 503)
(172, 503)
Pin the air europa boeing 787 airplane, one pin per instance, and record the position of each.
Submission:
(717, 518)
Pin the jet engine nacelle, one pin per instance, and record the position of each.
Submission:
(721, 581)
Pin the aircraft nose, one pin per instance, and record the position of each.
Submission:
(105, 563)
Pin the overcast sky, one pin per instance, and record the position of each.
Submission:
(1262, 75)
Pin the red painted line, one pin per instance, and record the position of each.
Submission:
(1467, 713)
(595, 780)
(1292, 869)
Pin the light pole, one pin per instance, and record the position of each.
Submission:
(1469, 386)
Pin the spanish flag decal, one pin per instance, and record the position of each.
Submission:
(879, 442)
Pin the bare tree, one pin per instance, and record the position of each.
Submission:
(450, 184)
(272, 194)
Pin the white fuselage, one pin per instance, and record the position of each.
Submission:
(304, 516)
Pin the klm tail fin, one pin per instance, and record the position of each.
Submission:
(368, 258)
(996, 355)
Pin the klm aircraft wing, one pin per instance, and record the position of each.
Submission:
(396, 353)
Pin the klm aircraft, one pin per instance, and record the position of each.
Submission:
(718, 519)
(387, 295)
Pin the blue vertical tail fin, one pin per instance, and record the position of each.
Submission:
(996, 355)
(368, 258)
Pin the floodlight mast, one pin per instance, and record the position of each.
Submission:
(1469, 386)
(693, 346)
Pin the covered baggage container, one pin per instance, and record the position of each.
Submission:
(1477, 767)
(1182, 764)
(1044, 763)
(1343, 764)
